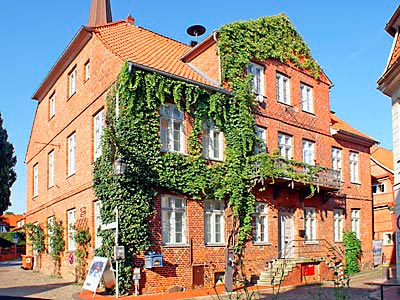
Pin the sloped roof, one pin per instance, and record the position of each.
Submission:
(340, 126)
(142, 46)
(395, 53)
(11, 220)
(383, 156)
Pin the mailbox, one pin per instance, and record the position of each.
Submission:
(153, 260)
(308, 269)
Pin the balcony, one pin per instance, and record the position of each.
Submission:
(275, 168)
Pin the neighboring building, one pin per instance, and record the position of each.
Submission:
(293, 117)
(389, 84)
(382, 197)
(9, 222)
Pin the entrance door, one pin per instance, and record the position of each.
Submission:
(286, 234)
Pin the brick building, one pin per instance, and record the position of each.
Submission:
(382, 197)
(292, 116)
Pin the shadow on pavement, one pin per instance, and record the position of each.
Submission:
(11, 263)
(30, 290)
(16, 298)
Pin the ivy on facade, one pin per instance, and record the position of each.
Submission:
(132, 131)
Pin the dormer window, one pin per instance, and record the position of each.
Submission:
(257, 83)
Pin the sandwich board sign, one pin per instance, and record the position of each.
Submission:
(100, 268)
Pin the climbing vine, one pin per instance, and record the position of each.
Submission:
(82, 239)
(55, 231)
(352, 247)
(132, 131)
(35, 236)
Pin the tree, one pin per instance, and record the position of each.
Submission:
(7, 164)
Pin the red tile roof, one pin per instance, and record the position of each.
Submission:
(144, 47)
(383, 156)
(396, 53)
(339, 124)
(11, 219)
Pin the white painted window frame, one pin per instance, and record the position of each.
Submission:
(71, 219)
(282, 88)
(306, 96)
(72, 83)
(355, 221)
(285, 145)
(172, 124)
(261, 230)
(212, 142)
(308, 152)
(261, 145)
(72, 154)
(310, 224)
(98, 241)
(173, 220)
(51, 161)
(354, 167)
(338, 224)
(257, 82)
(214, 224)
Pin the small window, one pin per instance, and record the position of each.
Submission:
(338, 220)
(87, 71)
(337, 160)
(387, 239)
(173, 219)
(71, 154)
(354, 167)
(97, 223)
(52, 106)
(285, 145)
(35, 180)
(282, 88)
(172, 131)
(307, 98)
(257, 82)
(213, 141)
(98, 124)
(51, 169)
(309, 152)
(355, 222)
(310, 223)
(261, 144)
(261, 223)
(72, 83)
(214, 221)
(378, 188)
(71, 230)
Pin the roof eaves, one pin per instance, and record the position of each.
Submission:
(389, 26)
(200, 47)
(352, 137)
(71, 51)
(180, 78)
(382, 165)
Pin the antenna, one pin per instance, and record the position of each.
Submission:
(195, 30)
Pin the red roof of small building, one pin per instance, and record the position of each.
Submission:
(147, 48)
(11, 220)
(339, 124)
(383, 156)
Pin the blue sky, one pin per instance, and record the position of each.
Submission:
(347, 38)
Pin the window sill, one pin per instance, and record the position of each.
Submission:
(309, 112)
(50, 187)
(356, 183)
(262, 244)
(284, 103)
(70, 175)
(215, 245)
(175, 245)
(70, 96)
(213, 159)
(311, 242)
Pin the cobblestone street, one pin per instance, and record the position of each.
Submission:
(16, 283)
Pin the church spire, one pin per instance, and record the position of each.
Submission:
(100, 13)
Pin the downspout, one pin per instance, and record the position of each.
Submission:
(219, 57)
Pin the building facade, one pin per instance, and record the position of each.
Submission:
(293, 120)
(389, 84)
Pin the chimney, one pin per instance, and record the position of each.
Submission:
(100, 13)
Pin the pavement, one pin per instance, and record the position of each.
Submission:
(16, 283)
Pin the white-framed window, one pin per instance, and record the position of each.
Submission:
(97, 223)
(337, 160)
(355, 221)
(387, 238)
(51, 169)
(307, 103)
(257, 82)
(213, 141)
(261, 145)
(52, 106)
(310, 223)
(98, 127)
(378, 188)
(282, 88)
(338, 220)
(72, 83)
(308, 152)
(173, 218)
(261, 223)
(172, 129)
(71, 154)
(87, 70)
(35, 180)
(214, 225)
(71, 230)
(285, 145)
(50, 223)
(353, 167)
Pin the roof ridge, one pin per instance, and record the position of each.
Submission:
(167, 37)
(108, 24)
